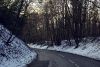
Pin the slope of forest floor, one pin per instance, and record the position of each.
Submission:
(14, 53)
(89, 47)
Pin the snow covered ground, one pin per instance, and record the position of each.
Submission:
(15, 54)
(89, 47)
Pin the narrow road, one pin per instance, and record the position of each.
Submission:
(48, 58)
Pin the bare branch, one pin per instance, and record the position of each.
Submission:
(95, 4)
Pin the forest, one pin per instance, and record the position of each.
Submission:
(37, 21)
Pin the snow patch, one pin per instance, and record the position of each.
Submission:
(89, 47)
(15, 54)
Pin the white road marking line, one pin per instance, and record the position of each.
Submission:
(74, 63)
(71, 61)
(61, 55)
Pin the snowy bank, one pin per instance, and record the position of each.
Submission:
(88, 47)
(16, 54)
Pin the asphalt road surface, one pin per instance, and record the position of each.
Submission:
(48, 58)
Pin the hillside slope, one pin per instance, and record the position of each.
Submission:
(14, 54)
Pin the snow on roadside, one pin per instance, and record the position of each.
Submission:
(16, 54)
(88, 48)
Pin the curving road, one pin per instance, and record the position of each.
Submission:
(48, 58)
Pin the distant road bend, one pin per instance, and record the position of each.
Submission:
(48, 58)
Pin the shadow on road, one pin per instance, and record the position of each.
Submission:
(39, 64)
